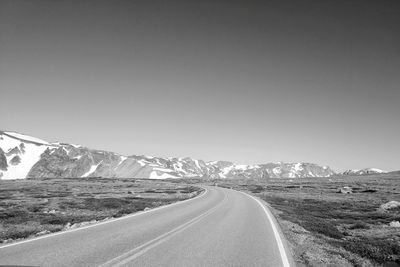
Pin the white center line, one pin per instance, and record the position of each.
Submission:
(142, 249)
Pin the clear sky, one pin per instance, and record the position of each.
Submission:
(245, 81)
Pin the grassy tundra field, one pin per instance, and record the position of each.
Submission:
(39, 206)
(326, 227)
(323, 224)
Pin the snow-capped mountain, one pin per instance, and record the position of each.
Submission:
(23, 156)
(296, 170)
(363, 171)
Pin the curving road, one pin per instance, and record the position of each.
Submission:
(222, 227)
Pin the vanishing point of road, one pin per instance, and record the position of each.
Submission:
(221, 227)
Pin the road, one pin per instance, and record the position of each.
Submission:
(221, 227)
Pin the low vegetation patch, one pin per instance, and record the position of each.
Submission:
(40, 206)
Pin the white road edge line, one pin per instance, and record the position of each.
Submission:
(282, 251)
(105, 222)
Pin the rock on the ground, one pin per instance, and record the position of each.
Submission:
(394, 224)
(390, 205)
(345, 190)
(45, 232)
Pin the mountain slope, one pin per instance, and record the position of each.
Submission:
(17, 155)
(363, 171)
(23, 156)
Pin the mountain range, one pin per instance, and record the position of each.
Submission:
(363, 171)
(23, 156)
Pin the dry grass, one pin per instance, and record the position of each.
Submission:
(39, 206)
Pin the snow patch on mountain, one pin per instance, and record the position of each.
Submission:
(242, 167)
(76, 146)
(297, 167)
(27, 138)
(162, 169)
(197, 163)
(155, 175)
(141, 163)
(92, 169)
(376, 170)
(28, 153)
(122, 159)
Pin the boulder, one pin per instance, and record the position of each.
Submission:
(390, 205)
(345, 190)
(394, 224)
(67, 226)
(44, 232)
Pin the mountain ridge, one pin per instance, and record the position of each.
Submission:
(363, 171)
(24, 156)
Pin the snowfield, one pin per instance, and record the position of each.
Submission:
(29, 154)
(155, 175)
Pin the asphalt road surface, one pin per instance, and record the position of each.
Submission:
(221, 227)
